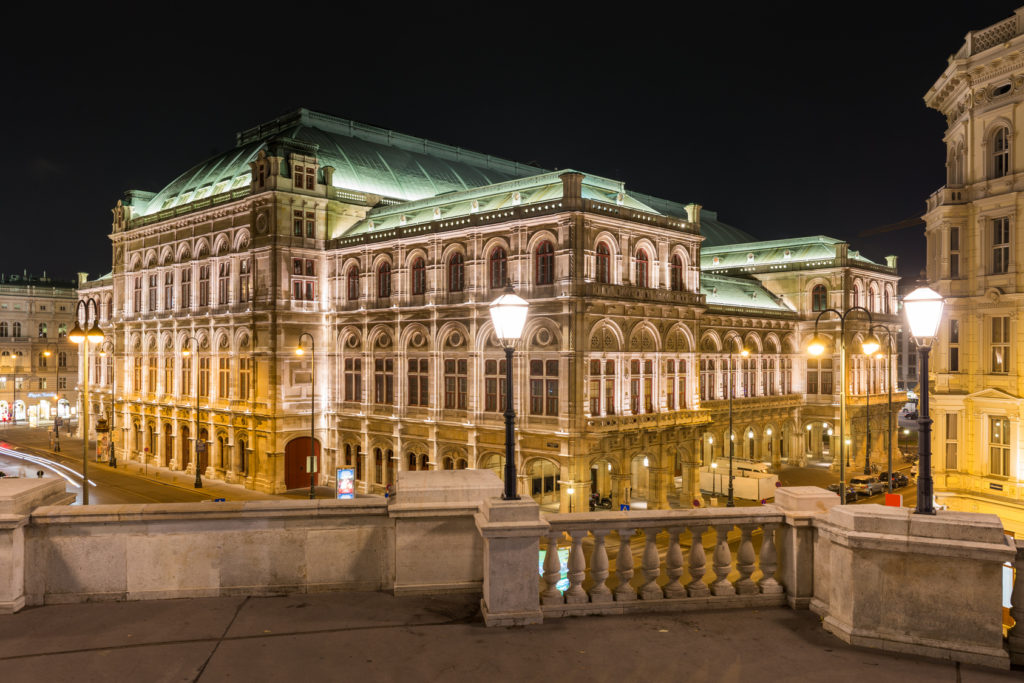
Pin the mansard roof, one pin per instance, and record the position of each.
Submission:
(803, 252)
(738, 292)
(403, 169)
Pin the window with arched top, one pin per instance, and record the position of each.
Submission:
(642, 269)
(545, 263)
(456, 273)
(498, 267)
(819, 298)
(384, 280)
(675, 270)
(419, 276)
(1001, 152)
(604, 262)
(872, 299)
(856, 294)
(352, 278)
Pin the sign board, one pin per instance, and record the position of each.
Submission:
(200, 447)
(894, 500)
(346, 483)
(310, 463)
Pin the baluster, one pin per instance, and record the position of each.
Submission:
(599, 568)
(769, 561)
(698, 563)
(745, 562)
(624, 567)
(674, 565)
(577, 569)
(552, 572)
(722, 562)
(651, 566)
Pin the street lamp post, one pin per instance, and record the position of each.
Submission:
(924, 311)
(816, 348)
(196, 451)
(714, 479)
(731, 502)
(311, 465)
(869, 346)
(113, 393)
(888, 384)
(78, 336)
(508, 313)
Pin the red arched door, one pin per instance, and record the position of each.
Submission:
(295, 454)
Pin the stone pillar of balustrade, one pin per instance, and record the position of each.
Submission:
(921, 584)
(510, 530)
(18, 498)
(796, 539)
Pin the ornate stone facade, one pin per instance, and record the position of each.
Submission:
(301, 230)
(975, 261)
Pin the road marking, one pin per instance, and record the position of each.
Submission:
(57, 468)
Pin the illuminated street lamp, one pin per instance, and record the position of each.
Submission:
(816, 348)
(508, 313)
(924, 311)
(311, 462)
(78, 336)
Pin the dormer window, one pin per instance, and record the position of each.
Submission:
(303, 176)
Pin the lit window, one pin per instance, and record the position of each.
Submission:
(951, 441)
(999, 446)
(1000, 345)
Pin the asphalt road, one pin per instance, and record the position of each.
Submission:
(107, 487)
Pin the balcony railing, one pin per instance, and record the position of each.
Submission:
(946, 195)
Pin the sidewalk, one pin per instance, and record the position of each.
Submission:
(378, 637)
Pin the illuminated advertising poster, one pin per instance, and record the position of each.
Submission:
(346, 483)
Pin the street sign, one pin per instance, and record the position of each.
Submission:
(310, 463)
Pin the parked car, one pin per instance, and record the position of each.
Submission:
(851, 495)
(867, 486)
(898, 479)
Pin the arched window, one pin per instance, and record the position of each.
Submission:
(456, 273)
(642, 268)
(16, 329)
(42, 330)
(676, 273)
(498, 268)
(545, 263)
(419, 277)
(856, 294)
(819, 298)
(604, 259)
(1001, 152)
(353, 283)
(872, 299)
(384, 280)
(3, 329)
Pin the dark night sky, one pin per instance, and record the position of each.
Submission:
(785, 120)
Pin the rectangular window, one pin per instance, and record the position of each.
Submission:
(455, 384)
(297, 224)
(151, 373)
(954, 345)
(1001, 345)
(223, 377)
(304, 288)
(137, 375)
(609, 387)
(243, 280)
(136, 297)
(204, 285)
(951, 441)
(670, 388)
(544, 387)
(494, 386)
(1001, 245)
(812, 375)
(826, 375)
(353, 379)
(954, 253)
(169, 375)
(999, 446)
(419, 382)
(384, 381)
(244, 377)
(786, 365)
(168, 291)
(186, 289)
(768, 376)
(62, 383)
(223, 282)
(310, 224)
(152, 293)
(204, 377)
(707, 379)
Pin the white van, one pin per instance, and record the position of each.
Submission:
(743, 467)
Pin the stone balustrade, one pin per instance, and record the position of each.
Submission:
(685, 578)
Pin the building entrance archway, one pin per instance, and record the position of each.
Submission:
(295, 454)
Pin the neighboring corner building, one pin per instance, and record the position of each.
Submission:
(37, 362)
(976, 261)
(387, 250)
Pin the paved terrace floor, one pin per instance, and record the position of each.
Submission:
(378, 637)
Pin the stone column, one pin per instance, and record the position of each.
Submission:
(620, 486)
(510, 529)
(658, 484)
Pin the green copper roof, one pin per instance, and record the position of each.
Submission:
(722, 290)
(798, 250)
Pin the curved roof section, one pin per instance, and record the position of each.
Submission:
(365, 158)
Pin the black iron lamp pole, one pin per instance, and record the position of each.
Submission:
(196, 452)
(300, 350)
(508, 314)
(816, 348)
(79, 336)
